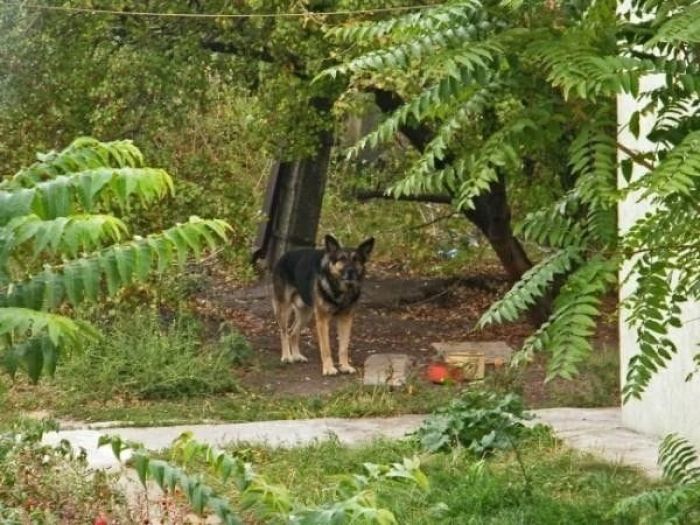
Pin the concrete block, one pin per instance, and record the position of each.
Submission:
(387, 369)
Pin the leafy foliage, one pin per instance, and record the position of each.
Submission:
(54, 248)
(676, 504)
(478, 420)
(492, 78)
(271, 503)
(51, 484)
(503, 88)
(661, 246)
(679, 460)
(533, 285)
(467, 63)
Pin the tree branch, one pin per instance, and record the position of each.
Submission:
(635, 157)
(435, 198)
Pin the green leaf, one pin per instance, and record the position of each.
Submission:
(140, 463)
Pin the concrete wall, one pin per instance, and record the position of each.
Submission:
(670, 404)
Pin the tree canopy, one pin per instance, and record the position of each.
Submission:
(559, 67)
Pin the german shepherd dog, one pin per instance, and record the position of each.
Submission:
(323, 283)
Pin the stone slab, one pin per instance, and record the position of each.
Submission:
(598, 431)
(491, 350)
(387, 369)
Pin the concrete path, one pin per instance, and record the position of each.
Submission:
(595, 430)
(600, 432)
(285, 433)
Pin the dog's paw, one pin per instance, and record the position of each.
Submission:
(330, 371)
(287, 359)
(299, 358)
(348, 369)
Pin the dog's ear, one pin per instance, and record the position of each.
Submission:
(365, 248)
(331, 244)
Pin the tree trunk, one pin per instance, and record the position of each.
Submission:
(491, 213)
(293, 203)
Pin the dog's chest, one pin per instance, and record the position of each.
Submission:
(335, 297)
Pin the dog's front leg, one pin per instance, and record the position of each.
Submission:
(344, 328)
(282, 312)
(323, 320)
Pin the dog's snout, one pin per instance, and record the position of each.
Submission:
(349, 273)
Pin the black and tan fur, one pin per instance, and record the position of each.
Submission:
(325, 284)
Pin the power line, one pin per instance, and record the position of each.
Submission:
(86, 10)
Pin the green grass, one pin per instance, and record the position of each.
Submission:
(353, 401)
(567, 487)
(84, 400)
(143, 358)
(149, 371)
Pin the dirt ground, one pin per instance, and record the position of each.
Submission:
(403, 315)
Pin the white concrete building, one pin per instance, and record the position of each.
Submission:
(670, 404)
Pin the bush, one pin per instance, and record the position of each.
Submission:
(61, 245)
(478, 420)
(46, 485)
(144, 358)
(354, 498)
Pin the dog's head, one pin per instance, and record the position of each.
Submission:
(347, 265)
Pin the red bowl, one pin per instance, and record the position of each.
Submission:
(438, 373)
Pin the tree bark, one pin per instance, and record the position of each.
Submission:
(491, 214)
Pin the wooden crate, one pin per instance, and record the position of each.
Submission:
(494, 352)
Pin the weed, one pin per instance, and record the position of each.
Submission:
(141, 357)
(47, 485)
(567, 487)
(233, 345)
(479, 420)
(353, 496)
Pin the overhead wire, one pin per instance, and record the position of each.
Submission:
(155, 14)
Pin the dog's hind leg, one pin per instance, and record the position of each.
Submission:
(282, 311)
(302, 316)
(344, 327)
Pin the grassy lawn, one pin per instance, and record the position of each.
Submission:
(81, 402)
(354, 401)
(567, 487)
(563, 486)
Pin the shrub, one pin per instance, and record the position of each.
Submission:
(354, 496)
(45, 485)
(481, 421)
(60, 246)
(144, 358)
